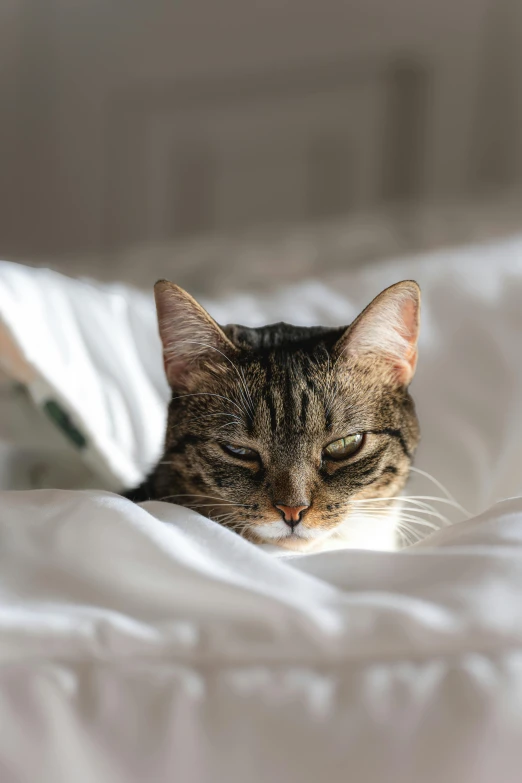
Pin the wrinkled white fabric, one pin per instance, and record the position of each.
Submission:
(134, 650)
(95, 350)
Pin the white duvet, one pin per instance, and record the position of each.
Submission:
(134, 650)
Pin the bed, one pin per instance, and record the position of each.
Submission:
(148, 643)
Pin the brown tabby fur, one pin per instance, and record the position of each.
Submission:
(285, 392)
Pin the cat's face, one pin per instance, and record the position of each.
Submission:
(280, 432)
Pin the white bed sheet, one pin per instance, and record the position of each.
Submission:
(133, 650)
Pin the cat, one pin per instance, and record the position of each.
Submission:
(285, 434)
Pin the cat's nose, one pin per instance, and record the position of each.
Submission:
(292, 515)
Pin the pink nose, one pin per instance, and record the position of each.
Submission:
(291, 514)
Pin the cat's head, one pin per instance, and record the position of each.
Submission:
(279, 432)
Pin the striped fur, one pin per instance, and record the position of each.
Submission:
(285, 392)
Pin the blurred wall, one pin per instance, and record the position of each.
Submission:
(125, 121)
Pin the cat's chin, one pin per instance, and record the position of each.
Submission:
(298, 544)
(275, 534)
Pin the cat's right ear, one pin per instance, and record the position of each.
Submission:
(189, 335)
(387, 331)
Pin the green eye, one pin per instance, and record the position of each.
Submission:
(344, 447)
(241, 452)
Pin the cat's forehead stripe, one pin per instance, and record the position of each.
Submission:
(272, 409)
(304, 407)
(289, 395)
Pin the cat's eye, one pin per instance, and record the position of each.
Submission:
(241, 452)
(344, 447)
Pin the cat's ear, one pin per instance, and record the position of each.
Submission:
(388, 329)
(188, 333)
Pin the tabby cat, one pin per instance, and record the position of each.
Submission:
(284, 433)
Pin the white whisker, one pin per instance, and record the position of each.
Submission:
(192, 495)
(419, 510)
(442, 488)
(417, 502)
(215, 505)
(228, 424)
(406, 533)
(421, 522)
(252, 406)
(401, 498)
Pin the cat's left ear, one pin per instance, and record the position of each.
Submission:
(189, 335)
(388, 330)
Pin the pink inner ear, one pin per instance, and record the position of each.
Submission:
(388, 329)
(188, 333)
(410, 317)
(404, 370)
